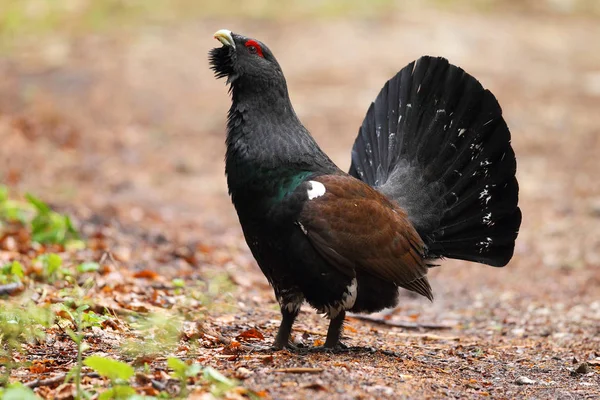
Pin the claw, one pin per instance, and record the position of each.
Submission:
(339, 348)
(288, 346)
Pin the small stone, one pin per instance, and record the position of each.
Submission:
(523, 380)
(583, 368)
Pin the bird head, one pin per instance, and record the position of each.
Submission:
(244, 61)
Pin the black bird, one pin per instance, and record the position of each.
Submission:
(432, 176)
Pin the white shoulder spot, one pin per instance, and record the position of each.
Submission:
(315, 189)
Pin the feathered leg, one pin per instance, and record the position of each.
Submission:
(289, 315)
(335, 331)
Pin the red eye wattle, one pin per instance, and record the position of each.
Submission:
(254, 47)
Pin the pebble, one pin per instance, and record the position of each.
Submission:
(583, 368)
(523, 380)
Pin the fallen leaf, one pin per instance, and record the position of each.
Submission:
(232, 348)
(250, 335)
(146, 274)
(37, 368)
(66, 391)
(268, 359)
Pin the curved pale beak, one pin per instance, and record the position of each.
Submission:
(224, 36)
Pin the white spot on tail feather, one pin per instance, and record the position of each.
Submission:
(485, 195)
(461, 132)
(316, 189)
(487, 219)
(484, 244)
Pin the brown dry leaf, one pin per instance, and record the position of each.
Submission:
(232, 348)
(137, 306)
(45, 392)
(318, 342)
(342, 365)
(64, 314)
(37, 367)
(66, 391)
(146, 274)
(205, 249)
(148, 390)
(144, 359)
(250, 335)
(268, 359)
(111, 323)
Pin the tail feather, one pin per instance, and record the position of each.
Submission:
(435, 141)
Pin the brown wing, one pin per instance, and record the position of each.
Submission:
(355, 227)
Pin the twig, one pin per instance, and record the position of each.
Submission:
(427, 336)
(300, 370)
(56, 379)
(226, 341)
(107, 256)
(10, 288)
(405, 325)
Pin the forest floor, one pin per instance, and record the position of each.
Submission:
(124, 132)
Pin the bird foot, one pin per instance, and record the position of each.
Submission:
(337, 349)
(340, 348)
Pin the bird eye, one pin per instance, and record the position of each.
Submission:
(254, 48)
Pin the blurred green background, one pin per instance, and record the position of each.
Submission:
(29, 19)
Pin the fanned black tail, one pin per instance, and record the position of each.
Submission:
(435, 141)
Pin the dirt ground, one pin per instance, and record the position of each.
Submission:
(126, 130)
